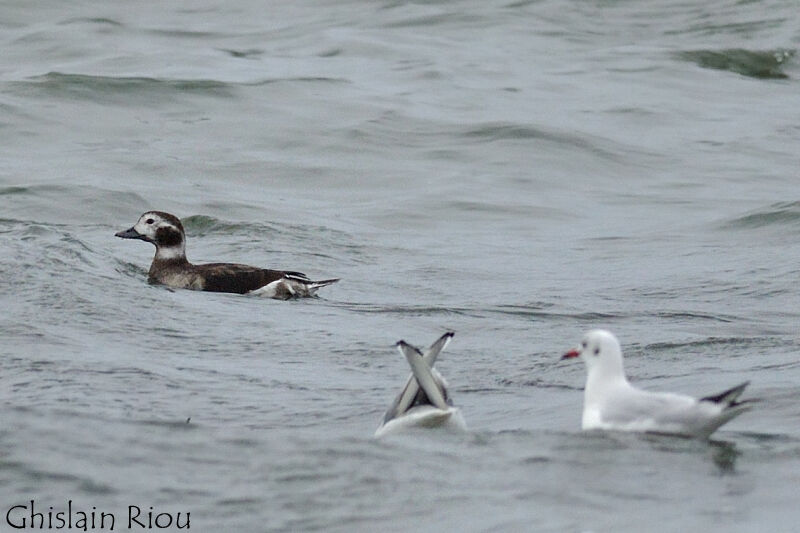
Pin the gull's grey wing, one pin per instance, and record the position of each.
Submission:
(638, 406)
(421, 398)
(672, 413)
(408, 395)
(424, 376)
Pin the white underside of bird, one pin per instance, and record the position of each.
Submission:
(425, 416)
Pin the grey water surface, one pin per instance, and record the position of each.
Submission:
(516, 171)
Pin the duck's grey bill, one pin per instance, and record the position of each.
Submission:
(129, 233)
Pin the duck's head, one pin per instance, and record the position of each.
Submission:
(162, 229)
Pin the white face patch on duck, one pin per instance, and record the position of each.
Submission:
(163, 230)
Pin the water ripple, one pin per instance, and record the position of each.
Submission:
(768, 64)
(503, 131)
(784, 214)
(90, 20)
(710, 341)
(83, 86)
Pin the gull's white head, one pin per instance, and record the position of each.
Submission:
(600, 351)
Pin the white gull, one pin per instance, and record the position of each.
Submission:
(610, 402)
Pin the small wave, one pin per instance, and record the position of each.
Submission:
(521, 3)
(199, 225)
(705, 27)
(501, 131)
(691, 315)
(333, 52)
(436, 19)
(541, 313)
(411, 310)
(90, 20)
(539, 384)
(778, 214)
(189, 34)
(538, 311)
(226, 502)
(84, 86)
(250, 53)
(504, 131)
(182, 424)
(14, 189)
(715, 341)
(763, 437)
(506, 209)
(298, 79)
(53, 204)
(766, 64)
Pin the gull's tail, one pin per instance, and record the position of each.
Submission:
(729, 404)
(729, 397)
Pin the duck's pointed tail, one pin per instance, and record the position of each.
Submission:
(300, 285)
(314, 285)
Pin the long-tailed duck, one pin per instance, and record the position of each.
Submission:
(171, 268)
(610, 402)
(424, 401)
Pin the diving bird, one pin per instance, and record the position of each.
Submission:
(171, 268)
(610, 402)
(424, 400)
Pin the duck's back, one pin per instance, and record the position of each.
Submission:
(237, 278)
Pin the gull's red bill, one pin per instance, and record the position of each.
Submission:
(570, 354)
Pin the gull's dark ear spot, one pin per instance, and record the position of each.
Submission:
(166, 236)
(597, 351)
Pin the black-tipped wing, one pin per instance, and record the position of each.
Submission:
(240, 279)
(411, 394)
(727, 397)
(424, 376)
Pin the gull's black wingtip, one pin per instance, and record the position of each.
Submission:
(728, 396)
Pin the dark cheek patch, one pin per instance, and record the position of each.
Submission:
(168, 237)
